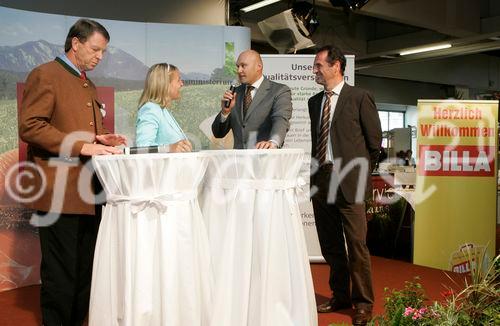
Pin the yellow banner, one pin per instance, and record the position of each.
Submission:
(456, 189)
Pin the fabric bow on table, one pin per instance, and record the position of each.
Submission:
(160, 202)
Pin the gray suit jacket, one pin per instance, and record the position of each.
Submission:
(267, 118)
(355, 132)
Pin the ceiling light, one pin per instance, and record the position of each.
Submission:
(426, 49)
(258, 5)
(387, 56)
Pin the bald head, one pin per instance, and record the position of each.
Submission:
(249, 65)
(251, 55)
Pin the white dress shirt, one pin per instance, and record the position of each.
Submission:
(333, 103)
(255, 85)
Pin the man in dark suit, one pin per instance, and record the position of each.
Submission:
(346, 139)
(259, 111)
(62, 123)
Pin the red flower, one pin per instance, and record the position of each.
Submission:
(447, 293)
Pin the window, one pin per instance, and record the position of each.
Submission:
(390, 120)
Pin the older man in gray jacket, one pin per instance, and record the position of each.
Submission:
(259, 110)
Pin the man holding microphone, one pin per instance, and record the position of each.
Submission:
(258, 111)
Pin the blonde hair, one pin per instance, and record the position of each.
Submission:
(157, 85)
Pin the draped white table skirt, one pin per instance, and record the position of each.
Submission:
(152, 263)
(239, 260)
(258, 249)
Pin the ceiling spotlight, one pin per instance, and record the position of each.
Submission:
(306, 17)
(426, 49)
(286, 33)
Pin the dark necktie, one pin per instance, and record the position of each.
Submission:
(83, 75)
(248, 99)
(324, 129)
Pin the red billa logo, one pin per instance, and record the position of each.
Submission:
(444, 160)
(466, 258)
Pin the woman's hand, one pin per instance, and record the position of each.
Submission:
(181, 146)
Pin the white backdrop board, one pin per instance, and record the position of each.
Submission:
(296, 72)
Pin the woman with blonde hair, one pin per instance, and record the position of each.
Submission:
(155, 124)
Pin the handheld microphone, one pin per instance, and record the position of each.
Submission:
(232, 89)
(146, 149)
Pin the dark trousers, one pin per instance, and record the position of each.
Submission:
(66, 269)
(339, 225)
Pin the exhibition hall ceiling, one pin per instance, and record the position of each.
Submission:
(376, 33)
(381, 29)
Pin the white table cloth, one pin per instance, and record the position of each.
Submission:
(258, 250)
(152, 259)
(239, 261)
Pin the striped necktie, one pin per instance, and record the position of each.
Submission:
(248, 99)
(324, 129)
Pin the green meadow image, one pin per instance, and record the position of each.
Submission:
(205, 56)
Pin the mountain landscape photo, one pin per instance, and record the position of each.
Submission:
(118, 69)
